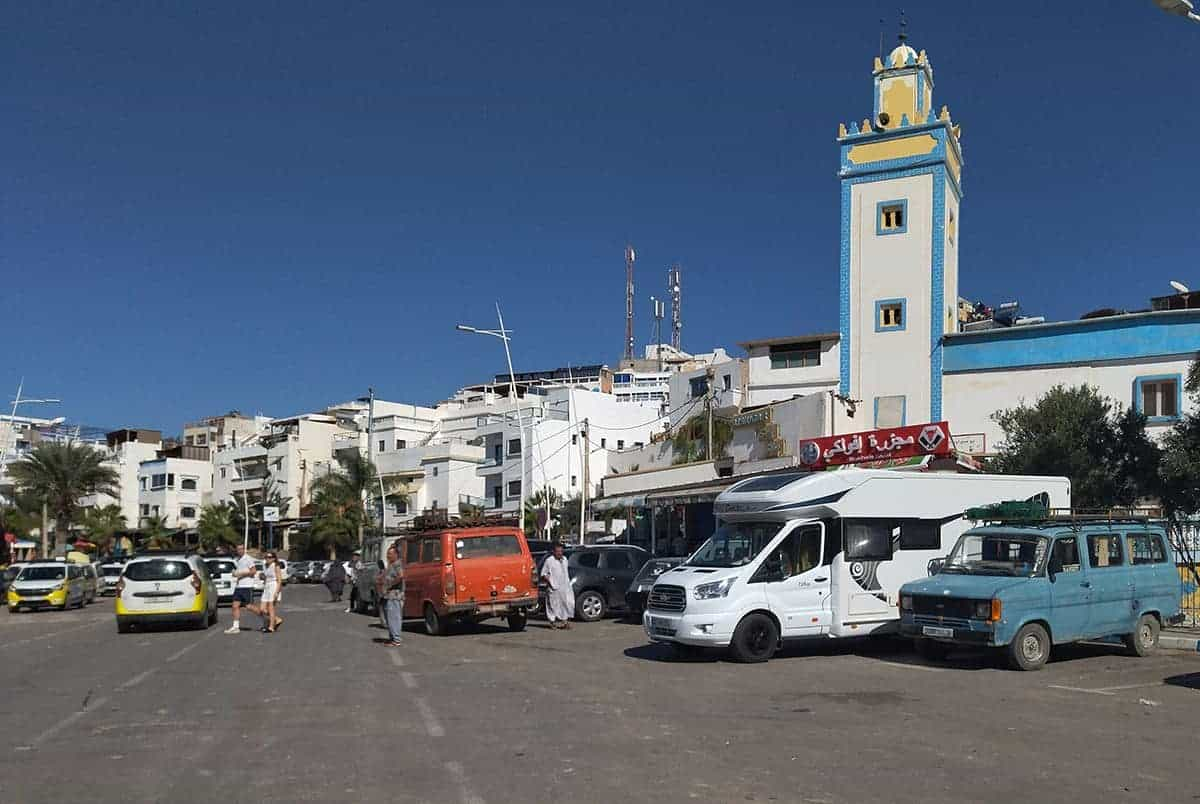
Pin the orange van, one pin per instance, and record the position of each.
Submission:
(461, 575)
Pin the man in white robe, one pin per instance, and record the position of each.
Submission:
(560, 600)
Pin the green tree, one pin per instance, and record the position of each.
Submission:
(342, 496)
(61, 473)
(690, 442)
(1076, 432)
(101, 524)
(156, 534)
(216, 526)
(535, 510)
(269, 494)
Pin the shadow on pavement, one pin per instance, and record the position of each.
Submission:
(1189, 680)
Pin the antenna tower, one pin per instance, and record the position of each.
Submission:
(673, 286)
(630, 256)
(660, 310)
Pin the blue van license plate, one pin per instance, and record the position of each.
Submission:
(935, 631)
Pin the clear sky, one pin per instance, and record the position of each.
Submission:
(271, 206)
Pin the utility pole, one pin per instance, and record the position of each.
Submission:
(45, 529)
(585, 452)
(709, 405)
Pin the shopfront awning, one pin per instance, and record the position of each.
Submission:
(689, 495)
(619, 503)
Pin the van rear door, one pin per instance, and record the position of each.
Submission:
(491, 567)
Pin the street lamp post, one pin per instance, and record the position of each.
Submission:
(504, 335)
(12, 429)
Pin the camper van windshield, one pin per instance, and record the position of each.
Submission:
(984, 553)
(734, 544)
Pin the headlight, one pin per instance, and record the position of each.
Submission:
(982, 610)
(707, 591)
(906, 602)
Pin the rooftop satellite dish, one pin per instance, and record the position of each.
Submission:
(1179, 286)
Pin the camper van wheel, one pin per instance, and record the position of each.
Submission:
(932, 650)
(1144, 640)
(755, 639)
(516, 621)
(1030, 648)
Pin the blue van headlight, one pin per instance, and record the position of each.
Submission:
(981, 610)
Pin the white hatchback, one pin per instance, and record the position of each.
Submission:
(171, 587)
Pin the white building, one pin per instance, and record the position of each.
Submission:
(780, 368)
(175, 487)
(725, 380)
(223, 432)
(127, 449)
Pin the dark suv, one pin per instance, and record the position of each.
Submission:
(601, 575)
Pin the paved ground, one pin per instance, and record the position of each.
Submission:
(319, 713)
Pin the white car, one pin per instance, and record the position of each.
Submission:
(170, 588)
(110, 574)
(221, 572)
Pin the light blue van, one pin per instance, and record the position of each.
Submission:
(1027, 586)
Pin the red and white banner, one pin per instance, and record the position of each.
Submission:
(876, 445)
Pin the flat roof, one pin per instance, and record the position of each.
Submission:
(820, 336)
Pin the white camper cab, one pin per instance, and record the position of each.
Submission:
(820, 555)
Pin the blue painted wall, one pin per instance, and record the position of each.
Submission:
(1129, 337)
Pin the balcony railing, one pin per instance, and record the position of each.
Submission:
(466, 501)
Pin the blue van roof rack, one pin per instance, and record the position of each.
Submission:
(1025, 512)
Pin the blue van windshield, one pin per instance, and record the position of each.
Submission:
(990, 553)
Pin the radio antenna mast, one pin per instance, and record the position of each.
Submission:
(630, 256)
(673, 286)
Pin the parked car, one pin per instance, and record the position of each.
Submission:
(10, 572)
(639, 589)
(1025, 588)
(600, 575)
(461, 575)
(47, 584)
(220, 570)
(166, 588)
(110, 574)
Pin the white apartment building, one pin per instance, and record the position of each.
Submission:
(222, 432)
(726, 380)
(286, 458)
(781, 368)
(175, 487)
(127, 449)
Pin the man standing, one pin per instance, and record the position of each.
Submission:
(560, 601)
(352, 569)
(244, 571)
(390, 584)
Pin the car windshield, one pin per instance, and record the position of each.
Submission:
(734, 544)
(992, 553)
(655, 567)
(11, 573)
(111, 571)
(159, 569)
(219, 567)
(42, 574)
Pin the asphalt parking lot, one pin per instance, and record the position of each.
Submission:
(319, 712)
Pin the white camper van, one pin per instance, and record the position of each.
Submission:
(820, 555)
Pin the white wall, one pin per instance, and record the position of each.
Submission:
(891, 266)
(768, 384)
(972, 397)
(171, 501)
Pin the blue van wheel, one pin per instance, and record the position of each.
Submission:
(1144, 639)
(1030, 648)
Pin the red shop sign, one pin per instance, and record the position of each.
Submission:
(876, 445)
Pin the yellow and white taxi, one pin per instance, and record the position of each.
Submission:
(47, 584)
(165, 588)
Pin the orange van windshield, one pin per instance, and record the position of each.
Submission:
(487, 546)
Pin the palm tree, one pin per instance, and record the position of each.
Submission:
(340, 496)
(690, 442)
(101, 524)
(269, 495)
(535, 508)
(59, 474)
(154, 531)
(216, 526)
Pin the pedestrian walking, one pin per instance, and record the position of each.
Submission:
(560, 602)
(272, 589)
(335, 580)
(390, 586)
(245, 571)
(353, 567)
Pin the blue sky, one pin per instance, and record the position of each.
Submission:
(271, 206)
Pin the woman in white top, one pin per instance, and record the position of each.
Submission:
(272, 586)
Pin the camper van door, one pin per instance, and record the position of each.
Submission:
(796, 582)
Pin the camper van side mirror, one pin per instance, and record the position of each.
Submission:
(935, 565)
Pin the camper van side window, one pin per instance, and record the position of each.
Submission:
(869, 539)
(920, 534)
(833, 541)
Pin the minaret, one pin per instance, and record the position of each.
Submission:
(900, 174)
